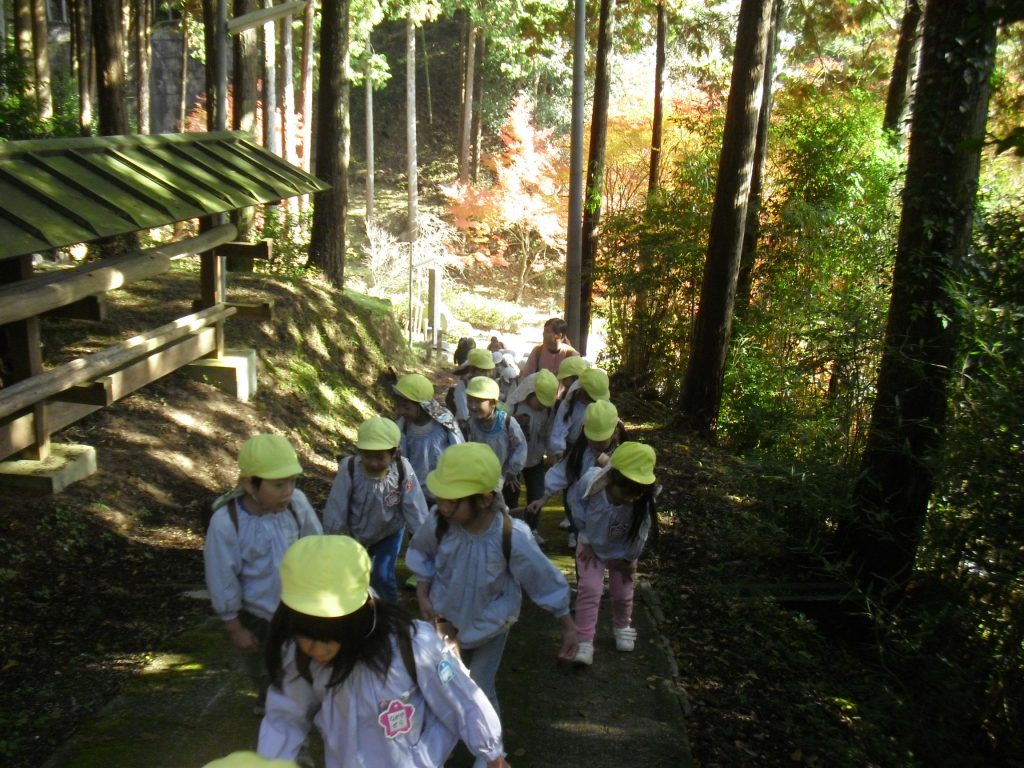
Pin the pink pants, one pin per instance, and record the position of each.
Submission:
(590, 583)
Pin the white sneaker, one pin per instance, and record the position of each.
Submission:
(584, 655)
(538, 538)
(564, 523)
(571, 543)
(625, 639)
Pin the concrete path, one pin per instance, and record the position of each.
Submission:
(194, 704)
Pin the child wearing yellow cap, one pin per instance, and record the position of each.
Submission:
(480, 362)
(493, 426)
(603, 431)
(427, 427)
(591, 386)
(532, 405)
(251, 527)
(375, 496)
(382, 689)
(613, 506)
(473, 565)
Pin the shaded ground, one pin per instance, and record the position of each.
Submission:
(192, 703)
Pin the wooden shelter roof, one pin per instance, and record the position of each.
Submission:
(58, 192)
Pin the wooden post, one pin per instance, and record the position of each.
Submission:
(434, 309)
(23, 356)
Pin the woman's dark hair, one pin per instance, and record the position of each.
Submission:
(476, 504)
(557, 325)
(364, 636)
(643, 504)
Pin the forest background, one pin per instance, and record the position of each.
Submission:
(815, 280)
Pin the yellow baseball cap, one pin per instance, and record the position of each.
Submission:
(464, 470)
(415, 387)
(635, 461)
(268, 456)
(249, 760)
(594, 382)
(600, 420)
(483, 387)
(572, 366)
(378, 434)
(545, 387)
(480, 358)
(325, 576)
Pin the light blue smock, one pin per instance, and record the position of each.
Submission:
(603, 525)
(379, 508)
(427, 717)
(242, 566)
(473, 587)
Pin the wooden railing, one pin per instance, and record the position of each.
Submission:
(35, 402)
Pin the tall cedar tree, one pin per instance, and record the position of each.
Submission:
(705, 371)
(595, 168)
(892, 493)
(330, 207)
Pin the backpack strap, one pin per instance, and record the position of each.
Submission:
(441, 528)
(233, 514)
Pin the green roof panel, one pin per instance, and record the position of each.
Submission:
(58, 192)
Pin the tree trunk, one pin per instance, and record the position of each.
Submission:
(270, 136)
(143, 39)
(287, 92)
(702, 388)
(244, 73)
(572, 239)
(23, 32)
(466, 131)
(410, 129)
(426, 74)
(216, 64)
(41, 57)
(752, 227)
(306, 79)
(659, 87)
(83, 63)
(595, 168)
(110, 102)
(183, 101)
(368, 82)
(476, 124)
(891, 496)
(330, 207)
(107, 37)
(902, 68)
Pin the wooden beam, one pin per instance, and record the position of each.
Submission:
(41, 293)
(90, 308)
(35, 389)
(262, 249)
(260, 17)
(17, 434)
(112, 387)
(263, 310)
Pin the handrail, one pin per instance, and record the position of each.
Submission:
(42, 293)
(34, 389)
